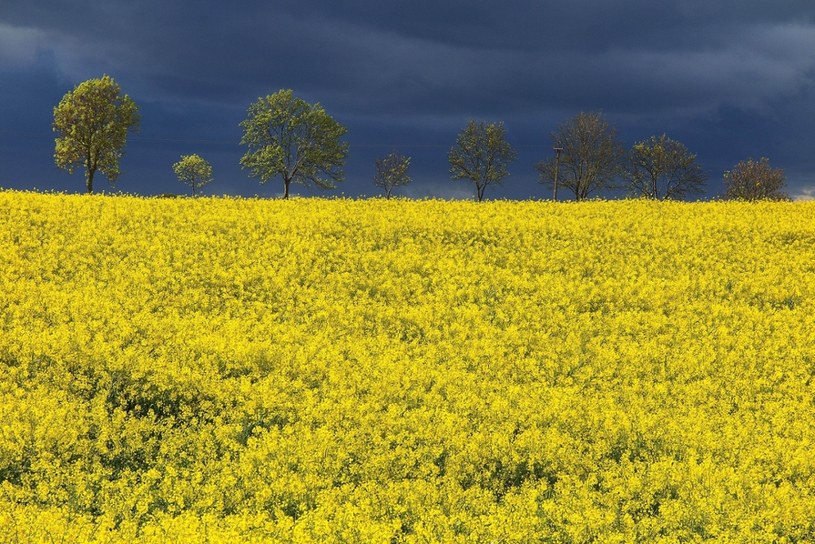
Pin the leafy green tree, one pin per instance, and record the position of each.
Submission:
(298, 141)
(481, 155)
(662, 168)
(590, 158)
(391, 172)
(755, 180)
(92, 122)
(193, 171)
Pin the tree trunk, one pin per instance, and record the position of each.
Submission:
(480, 192)
(89, 179)
(286, 183)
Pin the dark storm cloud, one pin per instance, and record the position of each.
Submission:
(429, 55)
(394, 71)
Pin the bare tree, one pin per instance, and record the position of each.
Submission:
(391, 172)
(755, 180)
(481, 155)
(662, 168)
(590, 159)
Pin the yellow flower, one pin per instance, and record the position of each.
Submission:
(322, 370)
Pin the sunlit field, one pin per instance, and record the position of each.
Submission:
(238, 370)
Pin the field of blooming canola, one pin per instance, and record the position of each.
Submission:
(239, 370)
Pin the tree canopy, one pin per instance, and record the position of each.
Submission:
(591, 155)
(391, 172)
(755, 180)
(194, 171)
(662, 168)
(92, 122)
(288, 137)
(481, 155)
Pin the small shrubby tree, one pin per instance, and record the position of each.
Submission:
(290, 138)
(92, 122)
(193, 171)
(755, 180)
(481, 155)
(391, 172)
(662, 168)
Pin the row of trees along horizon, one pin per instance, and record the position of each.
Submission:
(299, 142)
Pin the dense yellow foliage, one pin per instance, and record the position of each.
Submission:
(230, 370)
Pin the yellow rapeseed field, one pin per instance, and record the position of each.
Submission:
(313, 370)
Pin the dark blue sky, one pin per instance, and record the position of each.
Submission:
(731, 79)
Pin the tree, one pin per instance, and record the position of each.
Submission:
(662, 168)
(92, 122)
(298, 141)
(755, 180)
(193, 171)
(590, 159)
(481, 155)
(391, 172)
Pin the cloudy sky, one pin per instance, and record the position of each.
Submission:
(731, 79)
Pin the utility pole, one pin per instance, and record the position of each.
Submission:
(558, 151)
